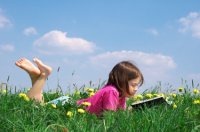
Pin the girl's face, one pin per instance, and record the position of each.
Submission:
(133, 86)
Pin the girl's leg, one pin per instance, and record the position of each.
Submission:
(38, 76)
(37, 89)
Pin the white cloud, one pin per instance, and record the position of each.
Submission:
(4, 21)
(191, 24)
(153, 31)
(155, 67)
(30, 31)
(7, 47)
(57, 42)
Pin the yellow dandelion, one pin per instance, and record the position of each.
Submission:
(195, 91)
(148, 96)
(196, 102)
(91, 94)
(156, 95)
(26, 98)
(69, 114)
(21, 95)
(53, 106)
(4, 91)
(86, 103)
(161, 95)
(174, 106)
(173, 95)
(180, 89)
(89, 89)
(81, 111)
(138, 97)
(77, 93)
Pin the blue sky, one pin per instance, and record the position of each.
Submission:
(88, 38)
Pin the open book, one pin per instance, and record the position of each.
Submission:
(149, 102)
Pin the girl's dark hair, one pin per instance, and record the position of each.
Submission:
(122, 73)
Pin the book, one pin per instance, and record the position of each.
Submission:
(149, 102)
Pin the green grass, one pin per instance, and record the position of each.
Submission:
(19, 115)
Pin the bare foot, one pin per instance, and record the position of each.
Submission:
(44, 69)
(29, 67)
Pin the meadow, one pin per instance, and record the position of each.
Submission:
(20, 114)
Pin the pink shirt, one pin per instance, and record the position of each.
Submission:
(106, 98)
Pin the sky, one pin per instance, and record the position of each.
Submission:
(85, 39)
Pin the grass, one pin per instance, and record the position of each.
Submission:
(19, 114)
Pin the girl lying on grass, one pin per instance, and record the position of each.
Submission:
(123, 82)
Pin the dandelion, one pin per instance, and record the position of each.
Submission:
(180, 89)
(89, 89)
(195, 91)
(91, 94)
(161, 95)
(156, 95)
(196, 102)
(4, 91)
(77, 93)
(173, 95)
(24, 96)
(53, 106)
(86, 103)
(69, 114)
(81, 111)
(148, 96)
(174, 106)
(138, 97)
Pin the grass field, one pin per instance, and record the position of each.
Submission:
(20, 114)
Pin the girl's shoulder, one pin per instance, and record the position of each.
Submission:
(109, 88)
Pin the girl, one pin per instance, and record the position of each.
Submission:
(123, 82)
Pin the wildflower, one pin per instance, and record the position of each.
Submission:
(77, 93)
(69, 114)
(4, 91)
(155, 95)
(180, 89)
(91, 94)
(173, 95)
(148, 96)
(89, 89)
(161, 95)
(81, 111)
(53, 106)
(195, 91)
(196, 102)
(24, 96)
(138, 97)
(174, 106)
(21, 95)
(86, 103)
